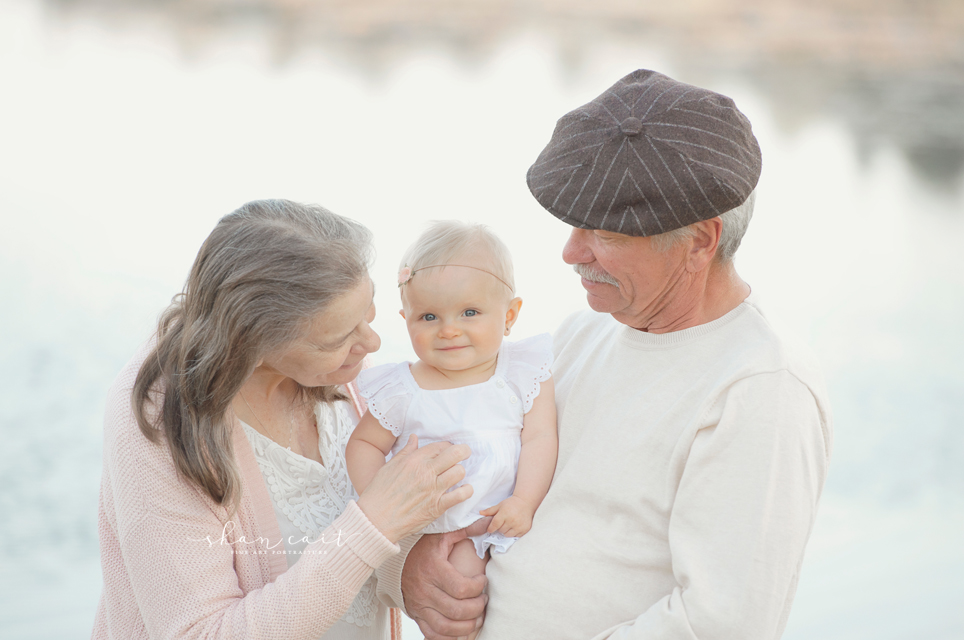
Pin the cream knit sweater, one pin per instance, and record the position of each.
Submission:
(177, 565)
(690, 466)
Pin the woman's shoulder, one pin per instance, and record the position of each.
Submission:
(119, 420)
(140, 477)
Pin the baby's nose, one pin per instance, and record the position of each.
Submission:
(448, 329)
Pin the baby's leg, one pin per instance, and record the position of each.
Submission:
(469, 564)
(466, 560)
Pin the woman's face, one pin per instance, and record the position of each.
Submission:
(337, 340)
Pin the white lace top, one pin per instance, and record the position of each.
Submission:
(308, 496)
(487, 416)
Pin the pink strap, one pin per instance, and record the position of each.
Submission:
(394, 615)
(352, 388)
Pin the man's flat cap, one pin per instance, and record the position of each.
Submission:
(647, 156)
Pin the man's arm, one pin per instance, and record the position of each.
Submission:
(743, 512)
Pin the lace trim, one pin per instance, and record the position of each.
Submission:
(529, 376)
(384, 388)
(312, 496)
(383, 417)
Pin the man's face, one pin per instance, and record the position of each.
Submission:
(625, 275)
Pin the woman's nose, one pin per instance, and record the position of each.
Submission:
(369, 342)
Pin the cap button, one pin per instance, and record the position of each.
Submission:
(631, 126)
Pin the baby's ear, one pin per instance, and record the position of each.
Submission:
(512, 313)
(401, 312)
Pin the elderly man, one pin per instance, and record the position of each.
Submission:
(693, 441)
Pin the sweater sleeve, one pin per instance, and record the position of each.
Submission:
(389, 574)
(743, 512)
(181, 557)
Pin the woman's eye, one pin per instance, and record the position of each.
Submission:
(470, 312)
(429, 317)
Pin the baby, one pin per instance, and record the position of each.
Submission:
(467, 387)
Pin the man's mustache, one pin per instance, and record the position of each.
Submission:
(594, 276)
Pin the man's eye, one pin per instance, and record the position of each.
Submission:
(470, 312)
(429, 317)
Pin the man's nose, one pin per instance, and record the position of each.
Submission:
(576, 250)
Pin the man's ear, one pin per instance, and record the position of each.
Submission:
(704, 243)
(512, 313)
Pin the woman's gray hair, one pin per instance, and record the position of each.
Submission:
(735, 223)
(445, 240)
(261, 276)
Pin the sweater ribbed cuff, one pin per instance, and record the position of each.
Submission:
(389, 589)
(354, 546)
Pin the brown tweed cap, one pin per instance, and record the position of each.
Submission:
(647, 156)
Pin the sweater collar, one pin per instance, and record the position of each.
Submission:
(645, 340)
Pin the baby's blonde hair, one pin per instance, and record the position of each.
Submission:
(445, 240)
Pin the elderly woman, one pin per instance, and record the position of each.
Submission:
(225, 507)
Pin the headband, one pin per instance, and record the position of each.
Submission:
(407, 273)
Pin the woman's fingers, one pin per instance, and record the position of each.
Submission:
(455, 496)
(443, 455)
(411, 445)
(412, 489)
(451, 477)
(440, 455)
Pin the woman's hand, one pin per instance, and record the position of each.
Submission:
(412, 489)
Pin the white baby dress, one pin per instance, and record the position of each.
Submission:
(486, 416)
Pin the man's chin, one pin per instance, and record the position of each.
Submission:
(599, 303)
(600, 296)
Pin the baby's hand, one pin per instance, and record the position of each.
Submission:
(512, 517)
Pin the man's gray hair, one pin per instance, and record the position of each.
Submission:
(735, 222)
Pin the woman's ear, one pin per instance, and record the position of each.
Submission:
(512, 313)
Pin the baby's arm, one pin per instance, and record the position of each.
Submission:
(537, 462)
(365, 454)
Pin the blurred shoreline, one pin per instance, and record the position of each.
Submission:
(893, 71)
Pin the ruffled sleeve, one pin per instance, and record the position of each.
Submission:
(529, 363)
(387, 393)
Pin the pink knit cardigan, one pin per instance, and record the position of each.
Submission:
(177, 565)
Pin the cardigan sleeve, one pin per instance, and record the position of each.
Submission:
(743, 512)
(388, 587)
(188, 566)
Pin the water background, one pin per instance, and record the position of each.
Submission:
(127, 130)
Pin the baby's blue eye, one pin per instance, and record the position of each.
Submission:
(470, 312)
(429, 317)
